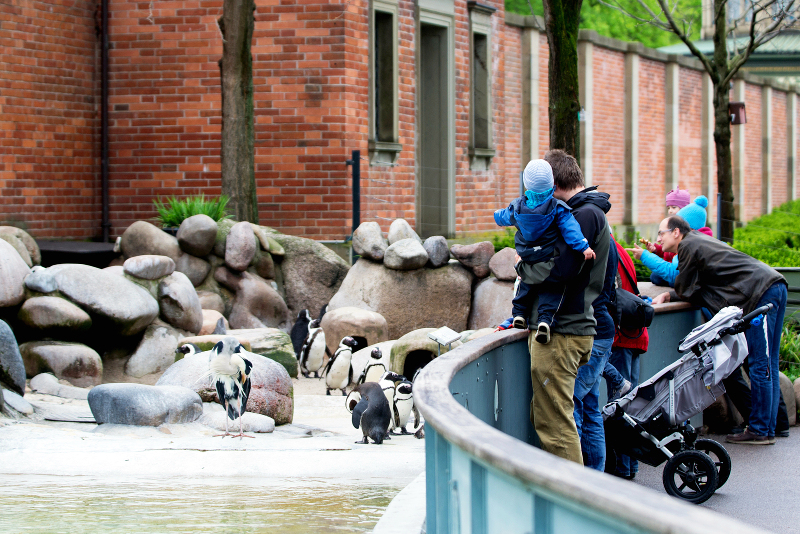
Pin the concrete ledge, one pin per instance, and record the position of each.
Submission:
(406, 513)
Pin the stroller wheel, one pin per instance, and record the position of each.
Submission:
(690, 475)
(720, 457)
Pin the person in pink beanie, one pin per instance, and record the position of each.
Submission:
(677, 199)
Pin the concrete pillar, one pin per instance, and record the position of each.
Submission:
(672, 133)
(586, 88)
(708, 154)
(791, 145)
(631, 184)
(737, 132)
(530, 96)
(766, 149)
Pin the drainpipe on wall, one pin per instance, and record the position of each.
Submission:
(106, 225)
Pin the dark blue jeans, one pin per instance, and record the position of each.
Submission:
(627, 363)
(588, 419)
(550, 297)
(764, 344)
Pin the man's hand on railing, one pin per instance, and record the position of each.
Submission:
(663, 298)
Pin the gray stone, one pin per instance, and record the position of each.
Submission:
(53, 312)
(143, 238)
(19, 246)
(12, 368)
(197, 234)
(149, 266)
(788, 397)
(796, 386)
(179, 303)
(271, 343)
(117, 270)
(502, 265)
(17, 402)
(275, 248)
(48, 384)
(41, 280)
(30, 243)
(13, 271)
(438, 251)
(210, 320)
(416, 341)
(263, 265)
(223, 229)
(251, 422)
(256, 304)
(351, 321)
(155, 353)
(138, 404)
(491, 303)
(405, 255)
(475, 256)
(409, 299)
(211, 301)
(240, 247)
(311, 273)
(368, 241)
(125, 304)
(400, 229)
(75, 362)
(196, 269)
(271, 391)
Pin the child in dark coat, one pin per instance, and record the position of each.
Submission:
(539, 219)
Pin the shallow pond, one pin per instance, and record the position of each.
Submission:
(79, 504)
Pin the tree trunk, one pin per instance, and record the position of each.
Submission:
(562, 20)
(236, 71)
(722, 123)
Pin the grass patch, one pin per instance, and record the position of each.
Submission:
(175, 211)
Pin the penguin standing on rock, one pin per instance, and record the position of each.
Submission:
(374, 369)
(313, 351)
(370, 411)
(339, 369)
(300, 331)
(188, 349)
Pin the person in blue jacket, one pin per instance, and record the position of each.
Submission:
(539, 218)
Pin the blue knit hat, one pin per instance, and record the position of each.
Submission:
(538, 176)
(695, 213)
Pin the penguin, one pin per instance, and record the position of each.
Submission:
(374, 369)
(300, 331)
(339, 370)
(370, 411)
(403, 402)
(387, 384)
(188, 349)
(322, 312)
(313, 351)
(418, 422)
(219, 329)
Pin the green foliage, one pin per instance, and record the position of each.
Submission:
(773, 238)
(175, 211)
(504, 239)
(790, 348)
(612, 23)
(627, 241)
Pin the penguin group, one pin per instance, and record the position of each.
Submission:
(379, 408)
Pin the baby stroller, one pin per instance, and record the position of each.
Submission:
(650, 423)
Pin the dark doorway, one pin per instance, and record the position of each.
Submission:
(416, 359)
(361, 343)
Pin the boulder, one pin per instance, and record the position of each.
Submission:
(405, 255)
(149, 266)
(251, 422)
(271, 392)
(355, 322)
(138, 404)
(16, 402)
(368, 241)
(475, 334)
(44, 313)
(787, 390)
(128, 306)
(270, 343)
(75, 362)
(196, 269)
(197, 234)
(256, 304)
(311, 272)
(30, 243)
(43, 281)
(223, 229)
(491, 303)
(475, 256)
(720, 416)
(13, 271)
(796, 386)
(143, 238)
(240, 247)
(400, 229)
(48, 384)
(116, 270)
(207, 342)
(19, 246)
(210, 320)
(211, 301)
(414, 351)
(409, 299)
(155, 352)
(263, 265)
(438, 251)
(363, 356)
(179, 303)
(502, 265)
(12, 368)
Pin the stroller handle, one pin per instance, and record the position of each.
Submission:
(755, 313)
(744, 323)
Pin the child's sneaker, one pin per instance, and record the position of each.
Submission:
(543, 333)
(520, 322)
(623, 389)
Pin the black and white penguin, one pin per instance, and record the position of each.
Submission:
(339, 369)
(403, 403)
(188, 349)
(312, 353)
(374, 369)
(322, 312)
(370, 411)
(300, 331)
(387, 384)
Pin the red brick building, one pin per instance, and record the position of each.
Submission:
(445, 99)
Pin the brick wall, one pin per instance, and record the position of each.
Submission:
(752, 155)
(652, 141)
(780, 192)
(690, 121)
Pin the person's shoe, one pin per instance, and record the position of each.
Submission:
(737, 429)
(520, 322)
(543, 333)
(772, 440)
(748, 438)
(623, 389)
(782, 433)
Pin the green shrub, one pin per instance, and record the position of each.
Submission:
(504, 239)
(175, 211)
(627, 241)
(790, 347)
(773, 238)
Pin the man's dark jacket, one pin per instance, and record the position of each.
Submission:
(715, 275)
